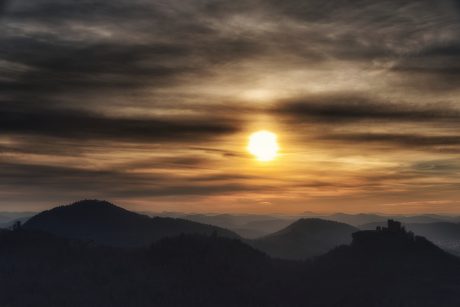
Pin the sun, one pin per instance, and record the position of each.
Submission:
(263, 145)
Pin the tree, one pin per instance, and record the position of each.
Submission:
(16, 226)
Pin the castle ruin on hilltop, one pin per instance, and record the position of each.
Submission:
(393, 230)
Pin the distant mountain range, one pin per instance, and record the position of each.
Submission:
(363, 218)
(305, 238)
(105, 223)
(252, 226)
(246, 225)
(177, 262)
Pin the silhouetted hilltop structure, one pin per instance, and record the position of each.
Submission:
(393, 226)
(392, 238)
(105, 223)
(444, 234)
(390, 248)
(305, 238)
(394, 232)
(361, 219)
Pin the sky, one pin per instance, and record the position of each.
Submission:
(150, 104)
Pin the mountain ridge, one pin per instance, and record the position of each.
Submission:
(305, 238)
(106, 223)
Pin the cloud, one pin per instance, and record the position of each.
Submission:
(68, 45)
(82, 125)
(346, 107)
(442, 167)
(26, 177)
(437, 68)
(365, 122)
(401, 139)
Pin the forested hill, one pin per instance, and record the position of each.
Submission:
(105, 223)
(379, 268)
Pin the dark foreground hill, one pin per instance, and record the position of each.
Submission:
(444, 234)
(305, 238)
(388, 267)
(105, 223)
(38, 269)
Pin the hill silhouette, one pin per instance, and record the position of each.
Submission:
(384, 267)
(379, 268)
(105, 223)
(391, 267)
(252, 226)
(391, 241)
(305, 238)
(39, 269)
(444, 234)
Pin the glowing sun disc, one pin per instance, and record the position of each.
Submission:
(263, 145)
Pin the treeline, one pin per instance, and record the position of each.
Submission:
(38, 269)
